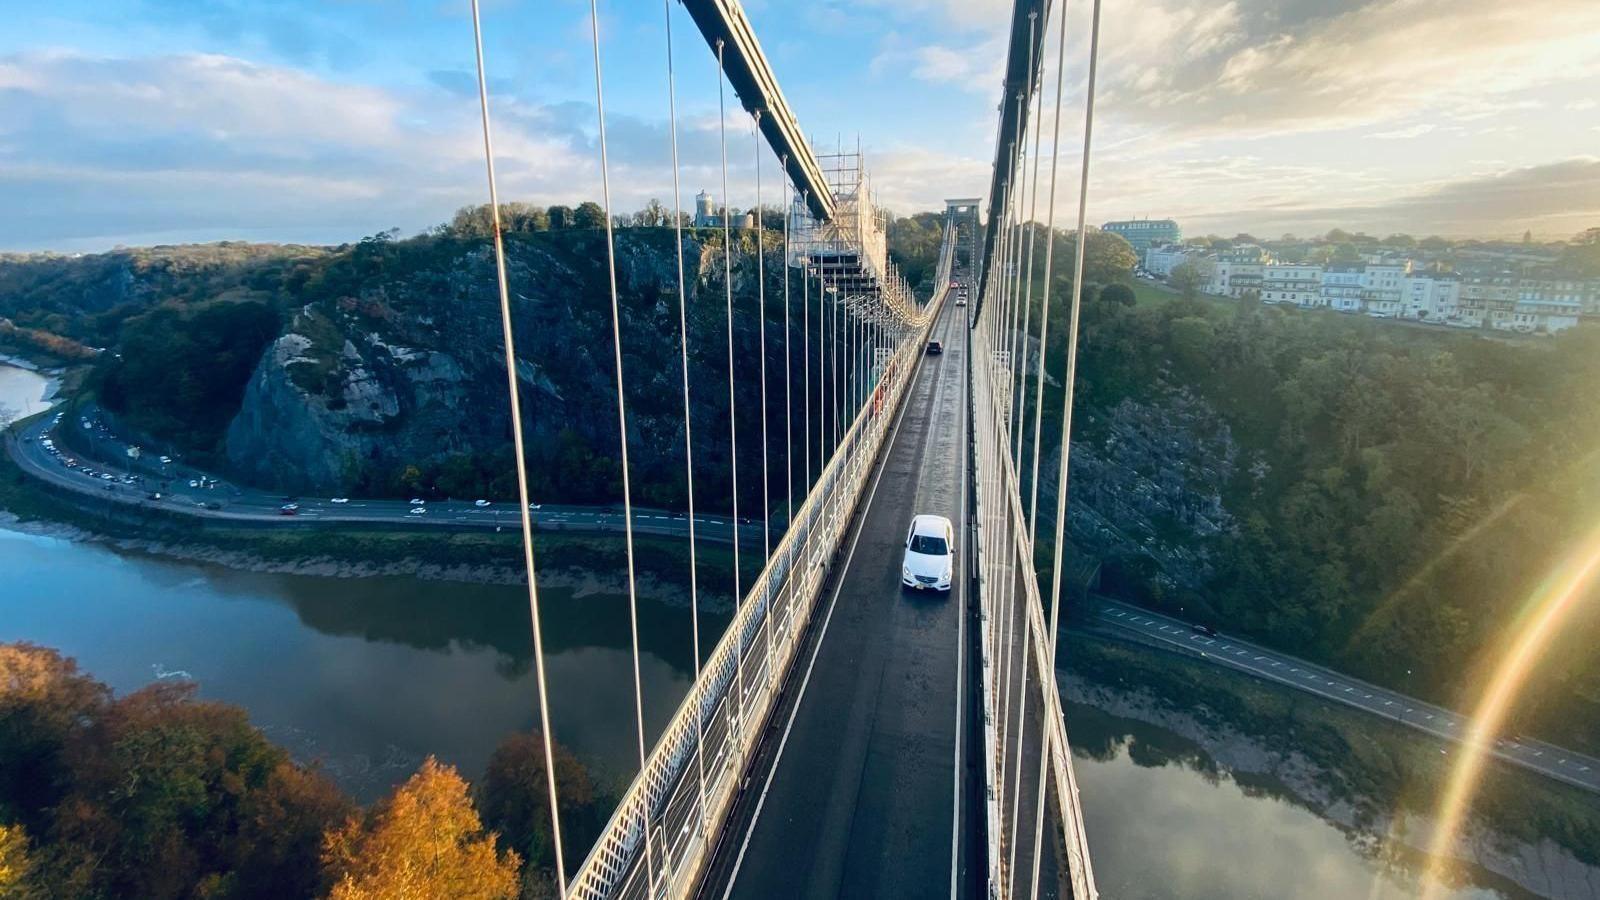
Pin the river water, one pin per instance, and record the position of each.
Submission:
(23, 392)
(1166, 822)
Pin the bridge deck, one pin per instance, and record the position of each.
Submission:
(862, 798)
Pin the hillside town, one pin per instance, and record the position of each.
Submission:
(1525, 288)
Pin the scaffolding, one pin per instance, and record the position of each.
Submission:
(849, 252)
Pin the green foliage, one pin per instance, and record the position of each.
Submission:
(589, 215)
(514, 797)
(1118, 293)
(179, 373)
(1409, 488)
(914, 243)
(476, 222)
(1189, 278)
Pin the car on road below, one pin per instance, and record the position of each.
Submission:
(418, 510)
(929, 562)
(1206, 630)
(480, 503)
(935, 347)
(193, 483)
(288, 509)
(166, 460)
(415, 501)
(340, 500)
(961, 301)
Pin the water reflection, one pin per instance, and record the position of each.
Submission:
(369, 675)
(1165, 821)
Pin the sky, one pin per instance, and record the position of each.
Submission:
(321, 121)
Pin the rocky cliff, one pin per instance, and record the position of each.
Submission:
(396, 363)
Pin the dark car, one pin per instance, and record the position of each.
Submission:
(935, 347)
(1206, 630)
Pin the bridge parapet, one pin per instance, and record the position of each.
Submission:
(692, 776)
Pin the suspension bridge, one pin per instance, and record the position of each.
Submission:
(844, 738)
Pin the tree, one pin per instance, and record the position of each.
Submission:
(1107, 257)
(1118, 293)
(589, 215)
(1582, 255)
(1189, 278)
(424, 840)
(150, 795)
(560, 217)
(16, 865)
(514, 797)
(45, 706)
(653, 215)
(170, 793)
(1346, 253)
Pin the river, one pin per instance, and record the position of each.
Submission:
(1167, 822)
(23, 391)
(367, 675)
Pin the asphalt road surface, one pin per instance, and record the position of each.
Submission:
(1547, 759)
(178, 486)
(866, 797)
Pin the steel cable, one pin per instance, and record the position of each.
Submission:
(525, 514)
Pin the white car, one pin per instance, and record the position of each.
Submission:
(418, 510)
(480, 503)
(340, 500)
(930, 554)
(417, 501)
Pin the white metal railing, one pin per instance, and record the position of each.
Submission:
(718, 720)
(1004, 553)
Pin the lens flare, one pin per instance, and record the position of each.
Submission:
(1557, 596)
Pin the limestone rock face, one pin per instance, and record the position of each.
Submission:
(404, 365)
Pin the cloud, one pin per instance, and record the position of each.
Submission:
(978, 67)
(102, 150)
(1249, 67)
(1554, 198)
(1401, 134)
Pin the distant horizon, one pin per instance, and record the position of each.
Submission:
(92, 246)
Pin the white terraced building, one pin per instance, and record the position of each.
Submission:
(1161, 259)
(1341, 287)
(1383, 287)
(1432, 298)
(1289, 283)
